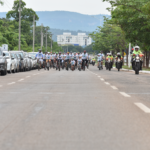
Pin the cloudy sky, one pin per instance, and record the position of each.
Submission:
(91, 7)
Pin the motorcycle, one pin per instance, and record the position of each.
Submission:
(93, 62)
(109, 64)
(137, 62)
(118, 63)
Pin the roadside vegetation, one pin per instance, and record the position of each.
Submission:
(130, 22)
(9, 30)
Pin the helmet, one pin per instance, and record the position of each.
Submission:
(118, 53)
(84, 51)
(71, 52)
(136, 47)
(59, 52)
(98, 54)
(109, 54)
(56, 52)
(40, 50)
(67, 52)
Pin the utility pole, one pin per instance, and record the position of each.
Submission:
(33, 31)
(51, 42)
(41, 36)
(46, 40)
(129, 59)
(19, 25)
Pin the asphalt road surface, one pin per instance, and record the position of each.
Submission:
(87, 110)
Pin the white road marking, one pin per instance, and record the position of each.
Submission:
(11, 83)
(140, 93)
(0, 85)
(107, 83)
(98, 76)
(20, 80)
(124, 94)
(34, 74)
(143, 107)
(114, 88)
(28, 76)
(102, 79)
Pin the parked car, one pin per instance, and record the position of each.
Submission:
(28, 59)
(21, 64)
(11, 67)
(24, 61)
(3, 64)
(13, 56)
(33, 61)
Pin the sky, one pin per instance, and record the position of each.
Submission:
(89, 7)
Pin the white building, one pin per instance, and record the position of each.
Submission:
(77, 40)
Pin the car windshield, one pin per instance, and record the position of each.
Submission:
(6, 54)
(21, 54)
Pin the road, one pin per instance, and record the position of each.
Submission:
(91, 110)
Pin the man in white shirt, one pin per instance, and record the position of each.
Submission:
(84, 58)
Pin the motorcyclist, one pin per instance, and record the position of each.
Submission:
(119, 56)
(111, 57)
(136, 52)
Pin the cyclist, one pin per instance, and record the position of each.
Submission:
(72, 63)
(59, 58)
(79, 61)
(84, 58)
(44, 60)
(71, 55)
(101, 57)
(48, 59)
(39, 57)
(67, 59)
(75, 58)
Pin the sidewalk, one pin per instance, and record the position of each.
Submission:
(143, 71)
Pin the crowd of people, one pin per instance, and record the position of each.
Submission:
(61, 60)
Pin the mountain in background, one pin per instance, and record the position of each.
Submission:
(65, 21)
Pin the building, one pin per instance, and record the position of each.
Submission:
(77, 40)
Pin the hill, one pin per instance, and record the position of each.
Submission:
(64, 21)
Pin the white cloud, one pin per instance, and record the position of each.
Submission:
(91, 7)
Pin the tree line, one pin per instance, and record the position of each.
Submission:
(130, 22)
(9, 30)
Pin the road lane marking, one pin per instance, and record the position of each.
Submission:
(20, 80)
(11, 83)
(98, 76)
(0, 85)
(34, 74)
(124, 94)
(102, 79)
(139, 93)
(114, 88)
(107, 83)
(143, 107)
(28, 76)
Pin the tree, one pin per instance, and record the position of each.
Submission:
(108, 38)
(134, 18)
(1, 2)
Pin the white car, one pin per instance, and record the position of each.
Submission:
(11, 65)
(13, 56)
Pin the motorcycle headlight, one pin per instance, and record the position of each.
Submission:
(137, 58)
